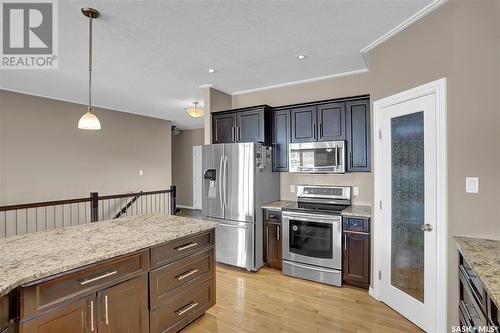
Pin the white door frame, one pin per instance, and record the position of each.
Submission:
(438, 88)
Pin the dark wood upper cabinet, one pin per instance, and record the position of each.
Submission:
(280, 139)
(124, 307)
(331, 119)
(223, 127)
(242, 125)
(303, 124)
(358, 135)
(250, 126)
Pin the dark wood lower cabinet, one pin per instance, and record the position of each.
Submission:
(273, 239)
(272, 245)
(77, 316)
(124, 307)
(356, 252)
(123, 294)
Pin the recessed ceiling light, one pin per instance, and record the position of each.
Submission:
(301, 56)
(212, 70)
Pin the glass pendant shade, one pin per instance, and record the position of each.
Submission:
(89, 121)
(195, 111)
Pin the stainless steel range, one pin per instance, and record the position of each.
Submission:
(312, 233)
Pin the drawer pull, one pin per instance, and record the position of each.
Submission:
(187, 274)
(468, 309)
(92, 316)
(186, 308)
(187, 246)
(106, 309)
(97, 278)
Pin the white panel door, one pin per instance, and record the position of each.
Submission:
(408, 189)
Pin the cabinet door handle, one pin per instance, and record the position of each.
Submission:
(314, 131)
(186, 308)
(321, 129)
(106, 314)
(92, 316)
(345, 242)
(232, 134)
(278, 231)
(97, 278)
(187, 274)
(185, 247)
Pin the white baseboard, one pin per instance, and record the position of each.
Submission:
(371, 292)
(184, 206)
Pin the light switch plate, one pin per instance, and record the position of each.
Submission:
(141, 172)
(292, 188)
(355, 191)
(472, 184)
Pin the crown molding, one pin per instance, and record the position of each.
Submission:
(292, 83)
(400, 27)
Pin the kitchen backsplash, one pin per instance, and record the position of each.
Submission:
(362, 180)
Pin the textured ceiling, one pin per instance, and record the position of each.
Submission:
(151, 57)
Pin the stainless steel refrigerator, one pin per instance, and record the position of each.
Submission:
(237, 180)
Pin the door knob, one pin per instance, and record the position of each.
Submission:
(426, 227)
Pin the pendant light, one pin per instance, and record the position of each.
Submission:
(195, 111)
(89, 120)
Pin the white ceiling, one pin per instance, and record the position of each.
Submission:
(151, 57)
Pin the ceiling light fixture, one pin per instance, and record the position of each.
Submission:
(89, 120)
(212, 70)
(195, 111)
(301, 56)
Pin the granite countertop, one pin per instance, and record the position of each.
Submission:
(484, 257)
(359, 211)
(38, 255)
(277, 205)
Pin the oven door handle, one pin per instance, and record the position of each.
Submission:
(326, 270)
(308, 217)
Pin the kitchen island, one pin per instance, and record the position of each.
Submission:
(144, 274)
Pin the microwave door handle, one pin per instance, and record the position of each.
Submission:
(336, 157)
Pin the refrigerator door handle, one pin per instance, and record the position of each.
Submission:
(225, 181)
(220, 180)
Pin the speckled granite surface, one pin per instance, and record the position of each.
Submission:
(360, 211)
(33, 256)
(484, 257)
(277, 205)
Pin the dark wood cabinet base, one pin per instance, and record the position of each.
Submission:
(121, 294)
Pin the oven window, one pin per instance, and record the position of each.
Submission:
(311, 239)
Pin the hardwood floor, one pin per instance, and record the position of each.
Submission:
(268, 301)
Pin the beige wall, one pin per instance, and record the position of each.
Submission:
(44, 156)
(182, 163)
(215, 100)
(459, 41)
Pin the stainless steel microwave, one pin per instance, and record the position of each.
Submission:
(317, 157)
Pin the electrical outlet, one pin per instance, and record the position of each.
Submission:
(355, 191)
(141, 172)
(292, 188)
(472, 184)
